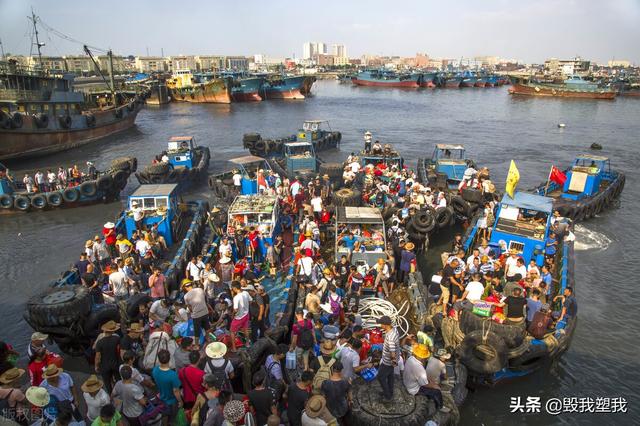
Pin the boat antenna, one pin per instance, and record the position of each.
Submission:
(34, 19)
(95, 64)
(1, 49)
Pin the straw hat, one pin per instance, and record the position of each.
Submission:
(234, 411)
(421, 351)
(110, 326)
(443, 354)
(513, 251)
(109, 225)
(88, 244)
(92, 384)
(11, 375)
(135, 328)
(37, 396)
(39, 336)
(315, 406)
(215, 210)
(327, 347)
(213, 278)
(224, 259)
(216, 350)
(327, 271)
(51, 371)
(409, 246)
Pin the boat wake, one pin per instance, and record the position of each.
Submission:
(587, 239)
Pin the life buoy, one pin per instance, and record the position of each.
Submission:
(89, 188)
(54, 199)
(38, 201)
(6, 201)
(70, 195)
(105, 183)
(41, 120)
(65, 121)
(17, 120)
(21, 202)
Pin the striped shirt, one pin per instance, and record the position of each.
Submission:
(391, 347)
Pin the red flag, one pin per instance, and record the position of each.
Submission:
(557, 176)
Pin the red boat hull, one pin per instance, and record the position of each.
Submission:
(408, 83)
(246, 97)
(428, 84)
(283, 94)
(480, 84)
(530, 90)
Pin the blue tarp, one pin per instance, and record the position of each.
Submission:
(528, 201)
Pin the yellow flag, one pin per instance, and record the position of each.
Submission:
(512, 179)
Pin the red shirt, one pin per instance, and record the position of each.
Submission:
(253, 239)
(35, 372)
(110, 239)
(191, 379)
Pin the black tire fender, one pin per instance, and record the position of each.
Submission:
(70, 195)
(21, 202)
(105, 183)
(39, 201)
(483, 355)
(89, 188)
(54, 199)
(6, 201)
(443, 217)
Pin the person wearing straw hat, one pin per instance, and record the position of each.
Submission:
(38, 397)
(414, 375)
(218, 365)
(10, 391)
(316, 413)
(94, 396)
(109, 234)
(107, 357)
(60, 385)
(407, 261)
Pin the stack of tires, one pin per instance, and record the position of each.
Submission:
(467, 203)
(222, 187)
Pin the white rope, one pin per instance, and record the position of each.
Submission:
(372, 308)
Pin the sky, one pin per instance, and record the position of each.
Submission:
(529, 30)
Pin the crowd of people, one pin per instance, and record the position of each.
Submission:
(49, 180)
(176, 358)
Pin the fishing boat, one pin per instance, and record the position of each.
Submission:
(311, 131)
(386, 78)
(428, 79)
(467, 79)
(72, 316)
(158, 92)
(452, 82)
(200, 88)
(283, 87)
(244, 88)
(104, 187)
(41, 113)
(493, 351)
(573, 87)
(588, 187)
(307, 84)
(183, 163)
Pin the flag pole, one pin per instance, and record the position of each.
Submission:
(546, 188)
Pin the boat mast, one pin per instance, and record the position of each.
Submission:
(111, 79)
(33, 18)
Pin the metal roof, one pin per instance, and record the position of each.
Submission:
(180, 138)
(295, 144)
(449, 146)
(316, 121)
(529, 201)
(592, 157)
(246, 159)
(154, 190)
(359, 215)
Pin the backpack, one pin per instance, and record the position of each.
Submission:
(209, 405)
(158, 340)
(324, 373)
(220, 375)
(306, 336)
(152, 414)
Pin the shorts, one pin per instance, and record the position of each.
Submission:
(446, 294)
(240, 324)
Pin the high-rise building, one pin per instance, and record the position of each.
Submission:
(338, 50)
(311, 49)
(321, 48)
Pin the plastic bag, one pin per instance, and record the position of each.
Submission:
(181, 418)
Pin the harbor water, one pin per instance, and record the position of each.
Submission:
(495, 128)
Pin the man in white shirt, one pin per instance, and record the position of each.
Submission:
(159, 312)
(414, 375)
(474, 255)
(316, 203)
(295, 187)
(511, 262)
(240, 322)
(194, 269)
(118, 282)
(142, 247)
(442, 201)
(196, 302)
(237, 180)
(225, 248)
(474, 289)
(309, 244)
(304, 266)
(138, 214)
(355, 167)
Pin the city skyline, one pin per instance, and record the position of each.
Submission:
(532, 31)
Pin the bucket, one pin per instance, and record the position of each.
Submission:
(368, 374)
(290, 360)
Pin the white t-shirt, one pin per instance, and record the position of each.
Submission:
(316, 202)
(158, 310)
(350, 360)
(510, 263)
(295, 187)
(355, 167)
(241, 304)
(118, 283)
(518, 270)
(196, 300)
(94, 404)
(442, 202)
(51, 177)
(306, 264)
(142, 246)
(194, 271)
(225, 249)
(475, 290)
(309, 244)
(138, 213)
(414, 375)
(237, 179)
